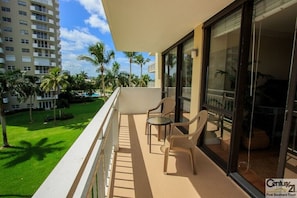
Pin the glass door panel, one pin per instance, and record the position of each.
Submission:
(170, 73)
(291, 158)
(266, 95)
(221, 79)
(186, 81)
(290, 168)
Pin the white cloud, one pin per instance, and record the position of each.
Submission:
(75, 42)
(77, 39)
(96, 22)
(97, 17)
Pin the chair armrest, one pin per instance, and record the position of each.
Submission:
(176, 124)
(150, 110)
(176, 137)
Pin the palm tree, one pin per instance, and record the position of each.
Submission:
(131, 56)
(30, 87)
(99, 57)
(111, 78)
(53, 82)
(10, 83)
(143, 81)
(123, 79)
(140, 60)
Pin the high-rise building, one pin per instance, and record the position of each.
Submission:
(30, 42)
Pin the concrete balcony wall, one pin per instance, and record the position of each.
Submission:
(136, 100)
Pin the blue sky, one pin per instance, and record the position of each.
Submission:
(83, 23)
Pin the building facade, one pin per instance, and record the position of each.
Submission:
(238, 61)
(30, 42)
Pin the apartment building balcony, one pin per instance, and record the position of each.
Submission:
(44, 11)
(152, 68)
(46, 97)
(2, 60)
(111, 158)
(42, 28)
(47, 2)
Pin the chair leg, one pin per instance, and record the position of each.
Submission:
(166, 154)
(193, 161)
(159, 133)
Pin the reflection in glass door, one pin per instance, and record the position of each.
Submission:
(221, 80)
(266, 94)
(170, 73)
(184, 95)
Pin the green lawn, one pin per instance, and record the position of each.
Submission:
(37, 147)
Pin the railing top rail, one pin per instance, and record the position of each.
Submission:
(63, 180)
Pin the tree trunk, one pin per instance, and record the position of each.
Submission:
(54, 109)
(3, 123)
(130, 73)
(103, 84)
(30, 110)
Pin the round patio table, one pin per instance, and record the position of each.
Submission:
(157, 121)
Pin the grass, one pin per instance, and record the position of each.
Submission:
(37, 147)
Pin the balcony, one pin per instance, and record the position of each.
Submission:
(46, 97)
(111, 159)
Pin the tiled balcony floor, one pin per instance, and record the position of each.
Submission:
(138, 173)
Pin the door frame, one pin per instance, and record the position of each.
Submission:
(289, 114)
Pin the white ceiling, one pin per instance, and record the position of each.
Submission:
(155, 25)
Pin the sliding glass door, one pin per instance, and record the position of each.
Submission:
(177, 76)
(271, 55)
(288, 169)
(221, 80)
(184, 94)
(169, 76)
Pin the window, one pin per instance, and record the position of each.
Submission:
(7, 48)
(26, 59)
(25, 41)
(41, 26)
(11, 67)
(5, 9)
(177, 75)
(7, 29)
(15, 106)
(22, 22)
(24, 32)
(8, 39)
(40, 17)
(27, 68)
(41, 35)
(10, 58)
(43, 44)
(22, 3)
(39, 8)
(23, 13)
(6, 19)
(25, 50)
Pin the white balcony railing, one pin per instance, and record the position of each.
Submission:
(84, 171)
